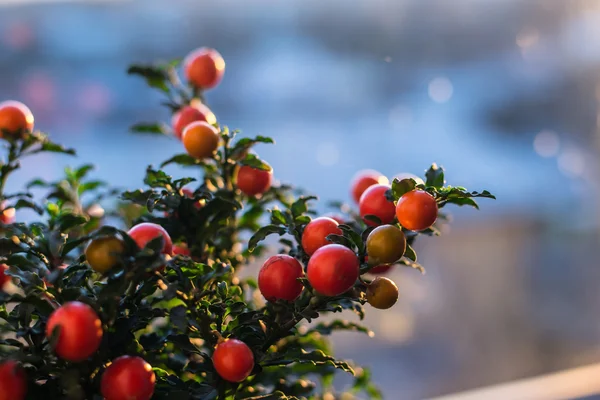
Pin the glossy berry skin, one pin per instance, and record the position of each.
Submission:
(364, 180)
(146, 231)
(333, 269)
(7, 216)
(385, 245)
(80, 331)
(200, 140)
(15, 118)
(13, 381)
(253, 181)
(103, 254)
(128, 378)
(233, 360)
(204, 68)
(316, 232)
(278, 278)
(181, 249)
(4, 279)
(192, 113)
(374, 202)
(380, 269)
(382, 293)
(416, 210)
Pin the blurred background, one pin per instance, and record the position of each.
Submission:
(505, 94)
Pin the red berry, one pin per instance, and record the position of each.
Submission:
(374, 202)
(204, 68)
(416, 210)
(4, 279)
(364, 180)
(7, 215)
(181, 249)
(233, 360)
(333, 269)
(278, 278)
(128, 378)
(192, 113)
(316, 232)
(15, 118)
(147, 231)
(80, 331)
(13, 382)
(380, 269)
(253, 181)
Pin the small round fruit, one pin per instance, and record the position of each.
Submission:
(333, 269)
(192, 113)
(364, 180)
(104, 253)
(374, 202)
(7, 216)
(200, 139)
(416, 210)
(278, 278)
(382, 293)
(4, 279)
(80, 331)
(189, 194)
(315, 234)
(204, 68)
(233, 360)
(15, 118)
(146, 231)
(181, 249)
(253, 181)
(385, 245)
(380, 269)
(13, 381)
(128, 378)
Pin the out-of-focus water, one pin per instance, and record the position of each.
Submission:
(501, 93)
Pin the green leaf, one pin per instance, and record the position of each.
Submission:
(278, 217)
(316, 357)
(82, 171)
(156, 178)
(155, 77)
(435, 176)
(246, 143)
(23, 203)
(88, 186)
(399, 187)
(300, 206)
(184, 160)
(49, 146)
(326, 328)
(152, 128)
(253, 161)
(68, 221)
(410, 253)
(262, 233)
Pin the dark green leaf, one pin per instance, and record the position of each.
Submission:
(183, 160)
(410, 253)
(262, 233)
(253, 161)
(435, 176)
(399, 187)
(153, 128)
(155, 77)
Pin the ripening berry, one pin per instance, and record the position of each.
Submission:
(416, 210)
(233, 360)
